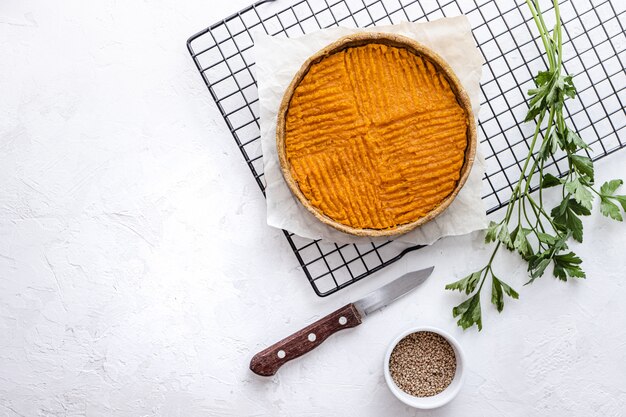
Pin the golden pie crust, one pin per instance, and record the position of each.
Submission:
(375, 135)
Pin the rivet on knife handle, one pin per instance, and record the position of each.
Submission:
(267, 362)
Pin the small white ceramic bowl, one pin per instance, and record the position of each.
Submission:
(443, 397)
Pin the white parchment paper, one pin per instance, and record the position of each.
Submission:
(277, 62)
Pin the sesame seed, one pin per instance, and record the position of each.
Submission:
(422, 364)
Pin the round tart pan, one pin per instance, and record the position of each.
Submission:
(392, 40)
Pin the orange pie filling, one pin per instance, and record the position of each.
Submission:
(375, 137)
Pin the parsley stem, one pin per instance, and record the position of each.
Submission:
(546, 134)
(534, 229)
(537, 214)
(594, 190)
(559, 36)
(531, 149)
(542, 29)
(487, 268)
(542, 211)
(538, 223)
(528, 218)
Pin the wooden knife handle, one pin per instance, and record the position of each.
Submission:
(267, 362)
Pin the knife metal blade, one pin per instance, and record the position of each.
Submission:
(390, 292)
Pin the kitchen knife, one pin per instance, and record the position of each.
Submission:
(267, 362)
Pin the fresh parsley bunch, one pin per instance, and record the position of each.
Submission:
(538, 236)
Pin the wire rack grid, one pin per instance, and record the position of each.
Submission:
(594, 51)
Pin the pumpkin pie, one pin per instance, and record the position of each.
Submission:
(375, 135)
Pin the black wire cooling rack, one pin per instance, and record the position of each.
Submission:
(594, 50)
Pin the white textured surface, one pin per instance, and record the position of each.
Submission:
(137, 275)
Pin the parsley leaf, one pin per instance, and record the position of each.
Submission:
(575, 139)
(497, 288)
(549, 146)
(470, 313)
(609, 187)
(550, 180)
(467, 284)
(521, 242)
(581, 193)
(607, 207)
(567, 265)
(492, 232)
(504, 236)
(565, 217)
(583, 165)
(610, 209)
(537, 265)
